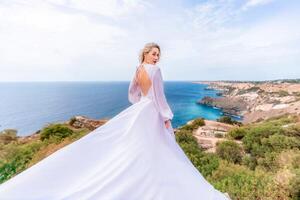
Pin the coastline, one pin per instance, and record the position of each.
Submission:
(254, 101)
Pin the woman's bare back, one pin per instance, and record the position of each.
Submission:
(143, 80)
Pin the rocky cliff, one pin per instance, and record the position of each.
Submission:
(255, 101)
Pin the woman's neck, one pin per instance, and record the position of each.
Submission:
(145, 63)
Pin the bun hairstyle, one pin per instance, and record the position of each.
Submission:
(147, 48)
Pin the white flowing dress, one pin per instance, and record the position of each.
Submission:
(133, 156)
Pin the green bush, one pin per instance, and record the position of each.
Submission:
(198, 122)
(249, 161)
(228, 120)
(268, 161)
(225, 119)
(237, 133)
(253, 137)
(230, 151)
(56, 131)
(264, 140)
(294, 187)
(277, 143)
(270, 167)
(18, 159)
(184, 136)
(194, 125)
(207, 163)
(240, 182)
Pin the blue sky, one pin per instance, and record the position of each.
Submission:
(93, 40)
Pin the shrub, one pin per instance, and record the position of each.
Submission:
(225, 119)
(184, 136)
(18, 159)
(194, 125)
(266, 139)
(294, 187)
(253, 137)
(249, 161)
(243, 183)
(198, 122)
(207, 163)
(228, 120)
(278, 142)
(269, 161)
(230, 151)
(240, 182)
(237, 133)
(56, 131)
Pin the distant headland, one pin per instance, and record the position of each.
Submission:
(255, 100)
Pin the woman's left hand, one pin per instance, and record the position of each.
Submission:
(168, 123)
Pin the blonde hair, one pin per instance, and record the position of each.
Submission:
(147, 48)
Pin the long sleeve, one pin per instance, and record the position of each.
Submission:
(159, 96)
(134, 91)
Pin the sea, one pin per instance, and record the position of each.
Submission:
(30, 106)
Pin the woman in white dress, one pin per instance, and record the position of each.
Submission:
(134, 156)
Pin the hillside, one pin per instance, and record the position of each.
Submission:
(258, 161)
(255, 101)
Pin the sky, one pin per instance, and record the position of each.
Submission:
(100, 40)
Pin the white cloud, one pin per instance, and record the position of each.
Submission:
(253, 3)
(111, 8)
(72, 40)
(42, 38)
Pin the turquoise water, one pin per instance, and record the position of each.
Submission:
(28, 107)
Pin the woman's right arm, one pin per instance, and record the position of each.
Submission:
(160, 98)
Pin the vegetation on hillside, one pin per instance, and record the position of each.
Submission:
(264, 166)
(17, 155)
